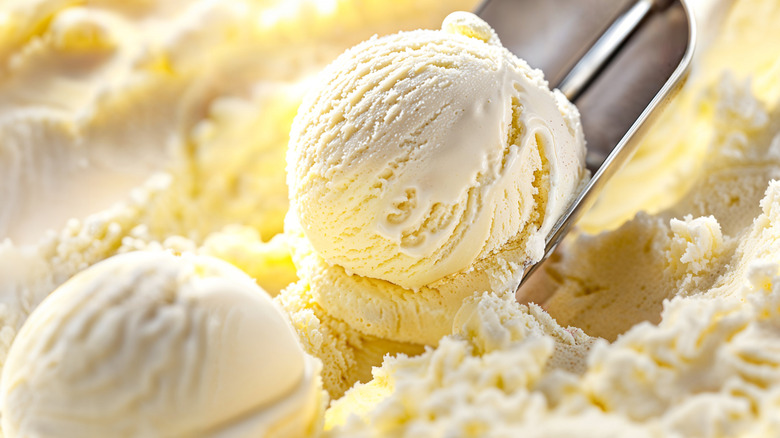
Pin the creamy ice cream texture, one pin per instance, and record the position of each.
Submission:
(421, 153)
(701, 363)
(153, 344)
(682, 304)
(422, 167)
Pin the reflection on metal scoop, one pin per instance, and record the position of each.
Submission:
(619, 61)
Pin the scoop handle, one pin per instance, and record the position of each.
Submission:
(706, 18)
(622, 122)
(606, 46)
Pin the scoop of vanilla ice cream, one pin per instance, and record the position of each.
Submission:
(153, 344)
(419, 153)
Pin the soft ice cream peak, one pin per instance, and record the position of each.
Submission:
(422, 152)
(468, 24)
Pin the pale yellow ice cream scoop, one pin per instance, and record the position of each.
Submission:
(421, 153)
(152, 344)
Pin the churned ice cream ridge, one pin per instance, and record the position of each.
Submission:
(424, 166)
(424, 152)
(673, 313)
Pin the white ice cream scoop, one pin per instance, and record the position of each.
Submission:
(417, 155)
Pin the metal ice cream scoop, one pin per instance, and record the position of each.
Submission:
(619, 61)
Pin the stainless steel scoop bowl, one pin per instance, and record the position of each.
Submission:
(619, 61)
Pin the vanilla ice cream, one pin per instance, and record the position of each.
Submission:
(682, 304)
(420, 153)
(422, 167)
(674, 313)
(153, 344)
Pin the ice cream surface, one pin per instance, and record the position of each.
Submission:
(422, 166)
(153, 344)
(424, 152)
(674, 311)
(158, 96)
(682, 303)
